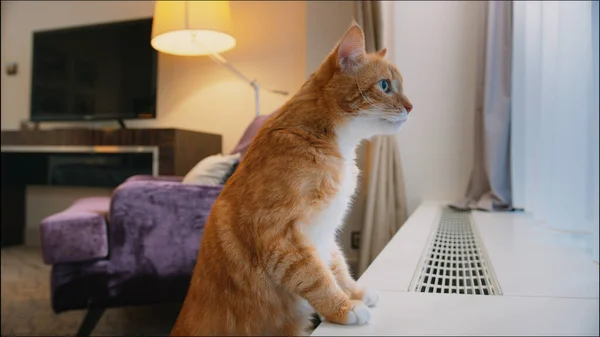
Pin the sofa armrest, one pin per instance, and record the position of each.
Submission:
(73, 236)
(155, 228)
(76, 234)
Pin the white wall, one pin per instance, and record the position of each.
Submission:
(435, 46)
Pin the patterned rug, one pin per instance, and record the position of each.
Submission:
(26, 309)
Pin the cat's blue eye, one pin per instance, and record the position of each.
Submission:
(385, 86)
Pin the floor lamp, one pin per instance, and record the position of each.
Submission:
(194, 28)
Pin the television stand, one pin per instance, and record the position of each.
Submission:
(90, 158)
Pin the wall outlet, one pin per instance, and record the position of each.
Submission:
(11, 69)
(355, 240)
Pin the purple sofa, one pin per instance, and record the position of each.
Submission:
(137, 247)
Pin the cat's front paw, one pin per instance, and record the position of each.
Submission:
(359, 314)
(370, 298)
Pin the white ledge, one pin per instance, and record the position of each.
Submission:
(548, 279)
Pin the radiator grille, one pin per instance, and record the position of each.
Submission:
(454, 261)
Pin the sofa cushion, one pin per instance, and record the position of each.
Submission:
(211, 170)
(77, 233)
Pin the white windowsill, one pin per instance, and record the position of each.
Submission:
(549, 284)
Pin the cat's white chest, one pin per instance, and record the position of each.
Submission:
(322, 228)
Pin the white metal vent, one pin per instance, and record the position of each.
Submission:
(455, 261)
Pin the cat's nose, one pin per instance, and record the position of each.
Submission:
(408, 107)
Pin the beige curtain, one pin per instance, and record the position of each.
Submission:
(490, 183)
(385, 210)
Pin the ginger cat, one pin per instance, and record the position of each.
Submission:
(269, 257)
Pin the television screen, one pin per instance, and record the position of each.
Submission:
(105, 71)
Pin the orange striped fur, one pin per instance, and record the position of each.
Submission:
(269, 258)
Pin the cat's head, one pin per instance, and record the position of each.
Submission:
(368, 90)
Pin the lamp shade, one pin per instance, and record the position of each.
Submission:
(192, 27)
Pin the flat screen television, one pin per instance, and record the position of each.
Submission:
(98, 72)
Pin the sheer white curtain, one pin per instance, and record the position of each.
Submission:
(554, 131)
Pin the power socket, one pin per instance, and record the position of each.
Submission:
(355, 240)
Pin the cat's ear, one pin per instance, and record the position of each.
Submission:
(382, 52)
(351, 49)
